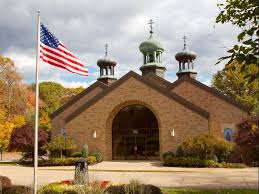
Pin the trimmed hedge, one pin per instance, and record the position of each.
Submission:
(199, 163)
(76, 155)
(60, 161)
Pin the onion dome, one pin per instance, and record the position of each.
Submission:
(185, 55)
(185, 59)
(152, 50)
(106, 61)
(106, 65)
(150, 45)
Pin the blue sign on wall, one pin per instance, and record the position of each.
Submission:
(228, 134)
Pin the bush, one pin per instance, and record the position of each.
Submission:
(98, 156)
(91, 160)
(150, 189)
(179, 152)
(5, 182)
(134, 187)
(53, 188)
(85, 151)
(204, 145)
(17, 189)
(168, 153)
(213, 157)
(118, 189)
(76, 155)
(184, 162)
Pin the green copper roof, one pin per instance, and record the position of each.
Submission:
(152, 44)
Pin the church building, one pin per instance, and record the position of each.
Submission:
(142, 116)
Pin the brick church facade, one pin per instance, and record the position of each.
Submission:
(143, 116)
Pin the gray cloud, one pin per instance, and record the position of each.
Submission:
(85, 26)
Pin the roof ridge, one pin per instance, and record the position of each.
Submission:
(75, 98)
(214, 91)
(144, 80)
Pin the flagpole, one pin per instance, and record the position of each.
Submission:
(36, 106)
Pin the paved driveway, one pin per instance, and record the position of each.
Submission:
(146, 172)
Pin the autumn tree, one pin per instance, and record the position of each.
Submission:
(12, 90)
(6, 129)
(22, 139)
(245, 15)
(247, 138)
(232, 82)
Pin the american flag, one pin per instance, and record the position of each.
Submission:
(55, 53)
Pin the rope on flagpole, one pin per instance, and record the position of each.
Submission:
(36, 105)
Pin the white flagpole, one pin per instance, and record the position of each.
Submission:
(36, 106)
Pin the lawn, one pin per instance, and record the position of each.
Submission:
(209, 191)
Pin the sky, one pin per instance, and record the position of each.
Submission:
(85, 26)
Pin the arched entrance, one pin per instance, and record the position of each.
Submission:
(135, 134)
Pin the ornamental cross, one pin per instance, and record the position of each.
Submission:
(151, 25)
(106, 49)
(184, 41)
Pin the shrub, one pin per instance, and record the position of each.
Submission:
(5, 182)
(17, 189)
(179, 152)
(118, 189)
(213, 157)
(185, 162)
(205, 145)
(150, 189)
(134, 187)
(53, 188)
(168, 153)
(91, 160)
(98, 156)
(60, 143)
(76, 155)
(85, 151)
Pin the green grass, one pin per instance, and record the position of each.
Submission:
(208, 191)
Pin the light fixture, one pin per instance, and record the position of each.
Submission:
(94, 134)
(172, 133)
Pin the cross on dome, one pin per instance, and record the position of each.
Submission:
(106, 49)
(184, 42)
(151, 22)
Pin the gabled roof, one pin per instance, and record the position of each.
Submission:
(157, 80)
(208, 89)
(78, 97)
(144, 80)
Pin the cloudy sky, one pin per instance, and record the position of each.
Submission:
(86, 25)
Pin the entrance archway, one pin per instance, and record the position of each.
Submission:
(135, 134)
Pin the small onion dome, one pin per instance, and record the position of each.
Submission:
(106, 61)
(185, 55)
(152, 44)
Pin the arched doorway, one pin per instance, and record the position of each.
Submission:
(135, 134)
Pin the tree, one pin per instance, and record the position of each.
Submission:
(6, 128)
(22, 139)
(245, 15)
(60, 143)
(233, 83)
(11, 87)
(247, 138)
